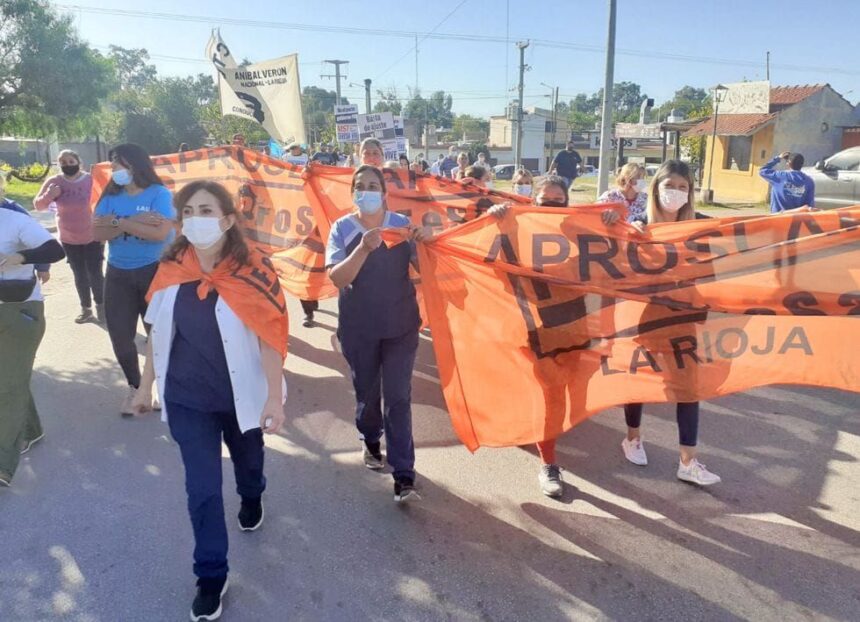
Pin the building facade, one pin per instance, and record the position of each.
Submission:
(757, 121)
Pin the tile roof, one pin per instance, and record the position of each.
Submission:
(788, 95)
(732, 124)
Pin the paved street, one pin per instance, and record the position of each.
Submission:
(95, 525)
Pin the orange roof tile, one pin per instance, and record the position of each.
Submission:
(732, 124)
(788, 95)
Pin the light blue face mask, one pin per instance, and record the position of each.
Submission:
(367, 201)
(121, 177)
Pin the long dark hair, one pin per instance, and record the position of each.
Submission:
(654, 211)
(135, 159)
(235, 246)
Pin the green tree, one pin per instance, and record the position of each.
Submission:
(686, 101)
(468, 124)
(694, 146)
(437, 109)
(48, 76)
(388, 101)
(130, 66)
(318, 109)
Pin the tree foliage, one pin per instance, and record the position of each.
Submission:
(49, 78)
(437, 110)
(468, 124)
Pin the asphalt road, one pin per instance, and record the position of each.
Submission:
(95, 525)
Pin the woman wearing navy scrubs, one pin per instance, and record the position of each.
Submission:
(219, 337)
(379, 322)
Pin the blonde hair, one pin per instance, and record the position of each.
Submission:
(626, 172)
(521, 176)
(654, 211)
(392, 164)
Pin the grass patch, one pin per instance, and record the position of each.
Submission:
(22, 192)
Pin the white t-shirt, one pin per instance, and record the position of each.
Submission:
(20, 232)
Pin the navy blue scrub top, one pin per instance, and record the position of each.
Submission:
(197, 373)
(380, 303)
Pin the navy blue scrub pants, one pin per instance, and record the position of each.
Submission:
(199, 437)
(382, 368)
(688, 421)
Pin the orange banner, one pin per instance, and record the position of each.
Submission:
(288, 210)
(548, 316)
(273, 200)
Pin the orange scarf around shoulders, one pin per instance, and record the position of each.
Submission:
(252, 291)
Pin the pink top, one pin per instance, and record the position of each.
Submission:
(74, 216)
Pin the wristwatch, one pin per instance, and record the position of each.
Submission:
(114, 222)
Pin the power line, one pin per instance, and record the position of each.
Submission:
(209, 19)
(417, 43)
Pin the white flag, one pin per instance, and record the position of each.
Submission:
(268, 92)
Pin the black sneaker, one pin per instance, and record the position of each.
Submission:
(251, 514)
(85, 316)
(373, 456)
(404, 490)
(207, 603)
(309, 320)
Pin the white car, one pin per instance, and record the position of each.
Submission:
(837, 179)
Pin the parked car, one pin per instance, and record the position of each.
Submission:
(837, 179)
(504, 171)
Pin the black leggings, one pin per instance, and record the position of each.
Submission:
(309, 306)
(85, 261)
(688, 421)
(125, 302)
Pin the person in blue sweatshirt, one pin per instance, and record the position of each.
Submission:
(789, 189)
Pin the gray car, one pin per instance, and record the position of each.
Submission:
(837, 179)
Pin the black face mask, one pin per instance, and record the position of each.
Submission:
(552, 204)
(70, 171)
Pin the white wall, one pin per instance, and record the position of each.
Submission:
(798, 128)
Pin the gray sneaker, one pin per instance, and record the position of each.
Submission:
(550, 480)
(373, 461)
(125, 410)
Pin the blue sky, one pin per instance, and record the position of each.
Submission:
(810, 42)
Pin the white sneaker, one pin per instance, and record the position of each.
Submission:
(125, 410)
(697, 473)
(634, 451)
(550, 480)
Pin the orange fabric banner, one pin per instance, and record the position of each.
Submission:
(273, 200)
(548, 316)
(288, 210)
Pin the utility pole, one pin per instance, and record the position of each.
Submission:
(554, 122)
(519, 152)
(367, 95)
(606, 121)
(768, 66)
(336, 76)
(416, 63)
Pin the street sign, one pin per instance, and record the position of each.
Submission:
(636, 130)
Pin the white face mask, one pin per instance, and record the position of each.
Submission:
(672, 200)
(489, 185)
(202, 231)
(641, 185)
(524, 190)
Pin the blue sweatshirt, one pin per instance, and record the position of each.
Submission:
(789, 189)
(15, 207)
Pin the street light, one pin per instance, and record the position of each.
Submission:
(719, 92)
